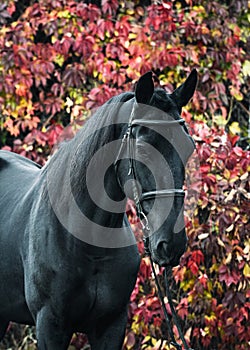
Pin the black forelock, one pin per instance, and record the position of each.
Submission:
(162, 100)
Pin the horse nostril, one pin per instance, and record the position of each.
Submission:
(163, 249)
(162, 253)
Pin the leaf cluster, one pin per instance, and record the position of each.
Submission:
(60, 59)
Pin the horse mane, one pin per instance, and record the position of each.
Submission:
(78, 151)
(161, 100)
(105, 115)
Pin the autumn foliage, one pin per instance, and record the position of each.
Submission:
(60, 59)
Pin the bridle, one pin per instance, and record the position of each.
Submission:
(127, 144)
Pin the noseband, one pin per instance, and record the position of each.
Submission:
(127, 142)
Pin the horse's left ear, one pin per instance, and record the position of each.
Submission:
(185, 92)
(144, 88)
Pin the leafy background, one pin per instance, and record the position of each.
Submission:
(60, 59)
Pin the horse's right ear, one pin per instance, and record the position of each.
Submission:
(144, 88)
(185, 92)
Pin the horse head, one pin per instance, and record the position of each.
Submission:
(152, 173)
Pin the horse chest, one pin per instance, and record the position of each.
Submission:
(98, 296)
(108, 289)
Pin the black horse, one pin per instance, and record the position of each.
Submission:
(69, 260)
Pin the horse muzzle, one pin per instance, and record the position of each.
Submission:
(165, 254)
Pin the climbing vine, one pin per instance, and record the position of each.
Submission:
(61, 59)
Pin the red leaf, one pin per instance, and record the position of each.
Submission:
(238, 151)
(197, 256)
(193, 267)
(229, 277)
(183, 308)
(54, 133)
(110, 6)
(203, 280)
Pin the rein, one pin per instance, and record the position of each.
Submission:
(138, 199)
(171, 304)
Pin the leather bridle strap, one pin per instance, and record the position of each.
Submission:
(162, 194)
(152, 123)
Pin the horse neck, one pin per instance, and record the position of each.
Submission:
(75, 177)
(94, 180)
(97, 147)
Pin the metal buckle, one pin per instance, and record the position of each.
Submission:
(145, 226)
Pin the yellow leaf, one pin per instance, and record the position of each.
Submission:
(244, 176)
(246, 68)
(233, 179)
(95, 73)
(227, 174)
(154, 341)
(130, 11)
(216, 33)
(68, 103)
(231, 195)
(247, 247)
(236, 93)
(53, 39)
(207, 295)
(213, 268)
(126, 44)
(147, 338)
(132, 35)
(234, 128)
(220, 242)
(59, 59)
(228, 259)
(205, 30)
(63, 14)
(203, 236)
(199, 9)
(14, 114)
(246, 270)
(230, 228)
(219, 120)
